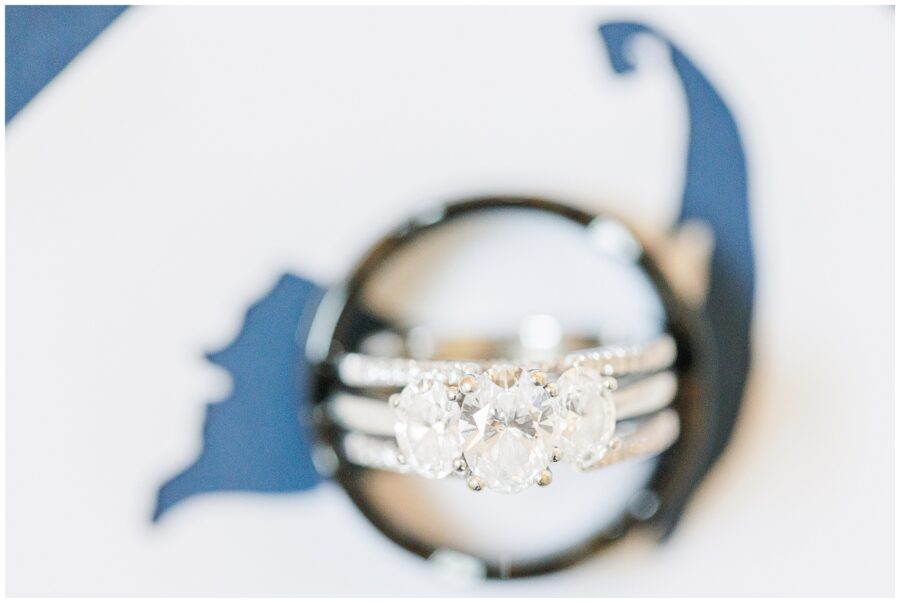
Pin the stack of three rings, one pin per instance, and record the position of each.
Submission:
(501, 424)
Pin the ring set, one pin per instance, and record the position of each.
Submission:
(500, 424)
(368, 343)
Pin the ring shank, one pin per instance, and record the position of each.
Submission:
(638, 438)
(363, 370)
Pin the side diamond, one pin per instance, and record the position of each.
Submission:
(427, 428)
(585, 416)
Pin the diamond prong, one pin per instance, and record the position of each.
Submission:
(475, 484)
(552, 390)
(610, 383)
(401, 459)
(556, 454)
(538, 378)
(467, 384)
(394, 400)
(452, 394)
(615, 443)
(544, 478)
(460, 465)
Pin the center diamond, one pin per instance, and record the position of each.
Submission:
(506, 428)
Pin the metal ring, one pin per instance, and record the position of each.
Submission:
(337, 327)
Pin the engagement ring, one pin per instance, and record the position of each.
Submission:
(500, 424)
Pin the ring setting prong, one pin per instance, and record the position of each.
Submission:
(467, 384)
(544, 478)
(556, 454)
(475, 484)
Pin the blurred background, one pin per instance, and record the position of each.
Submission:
(165, 170)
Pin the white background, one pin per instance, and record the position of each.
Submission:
(189, 156)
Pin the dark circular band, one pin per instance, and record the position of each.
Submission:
(341, 323)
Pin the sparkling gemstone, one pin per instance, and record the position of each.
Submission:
(584, 417)
(427, 428)
(506, 429)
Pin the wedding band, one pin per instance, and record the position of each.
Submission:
(364, 370)
(634, 439)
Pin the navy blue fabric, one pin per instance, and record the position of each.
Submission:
(715, 192)
(42, 40)
(253, 441)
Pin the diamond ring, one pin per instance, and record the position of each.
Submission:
(353, 362)
(500, 425)
(634, 439)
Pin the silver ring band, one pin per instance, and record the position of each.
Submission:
(639, 438)
(363, 370)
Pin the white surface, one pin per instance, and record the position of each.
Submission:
(189, 156)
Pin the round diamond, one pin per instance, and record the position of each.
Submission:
(506, 429)
(426, 428)
(585, 416)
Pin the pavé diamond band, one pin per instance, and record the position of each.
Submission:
(363, 370)
(634, 439)
(501, 424)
